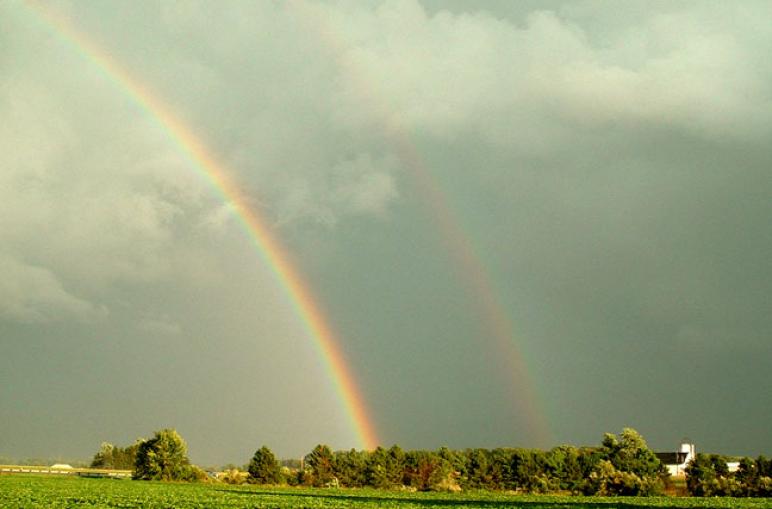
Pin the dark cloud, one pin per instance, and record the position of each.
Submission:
(610, 169)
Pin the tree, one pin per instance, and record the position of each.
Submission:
(426, 470)
(350, 468)
(700, 476)
(477, 476)
(385, 468)
(164, 457)
(263, 467)
(707, 475)
(628, 467)
(763, 481)
(564, 465)
(320, 462)
(631, 454)
(103, 458)
(501, 476)
(113, 457)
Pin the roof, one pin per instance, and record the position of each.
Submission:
(672, 458)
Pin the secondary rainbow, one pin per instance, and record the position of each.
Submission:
(499, 327)
(269, 246)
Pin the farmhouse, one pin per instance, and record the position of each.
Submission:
(676, 462)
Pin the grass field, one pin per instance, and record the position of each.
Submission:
(28, 491)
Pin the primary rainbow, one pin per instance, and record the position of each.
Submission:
(269, 246)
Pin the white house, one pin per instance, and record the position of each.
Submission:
(676, 462)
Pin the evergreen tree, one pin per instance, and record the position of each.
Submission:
(350, 468)
(477, 475)
(320, 464)
(263, 467)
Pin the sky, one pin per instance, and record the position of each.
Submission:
(527, 224)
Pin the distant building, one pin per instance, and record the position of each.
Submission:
(676, 462)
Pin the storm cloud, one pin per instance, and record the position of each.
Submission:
(609, 166)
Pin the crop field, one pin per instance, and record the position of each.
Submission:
(28, 491)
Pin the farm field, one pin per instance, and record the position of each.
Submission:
(28, 491)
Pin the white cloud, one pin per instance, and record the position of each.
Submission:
(450, 74)
(35, 294)
(90, 192)
(364, 185)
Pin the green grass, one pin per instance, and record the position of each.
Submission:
(27, 491)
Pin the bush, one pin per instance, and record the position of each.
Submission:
(607, 480)
(234, 476)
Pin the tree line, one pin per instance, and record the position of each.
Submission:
(621, 465)
(164, 457)
(708, 475)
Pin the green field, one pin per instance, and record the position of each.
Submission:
(22, 491)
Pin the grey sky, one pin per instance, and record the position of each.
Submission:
(611, 168)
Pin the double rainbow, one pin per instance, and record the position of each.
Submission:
(498, 324)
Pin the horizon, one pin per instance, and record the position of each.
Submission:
(44, 461)
(85, 461)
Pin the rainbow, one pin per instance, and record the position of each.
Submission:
(499, 327)
(269, 246)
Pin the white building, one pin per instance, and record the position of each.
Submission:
(61, 466)
(676, 462)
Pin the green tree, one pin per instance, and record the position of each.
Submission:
(164, 457)
(110, 456)
(700, 476)
(630, 453)
(385, 468)
(376, 468)
(529, 468)
(350, 468)
(607, 480)
(628, 467)
(501, 476)
(707, 475)
(263, 467)
(395, 471)
(764, 466)
(477, 475)
(454, 468)
(320, 463)
(565, 466)
(104, 457)
(426, 470)
(763, 480)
